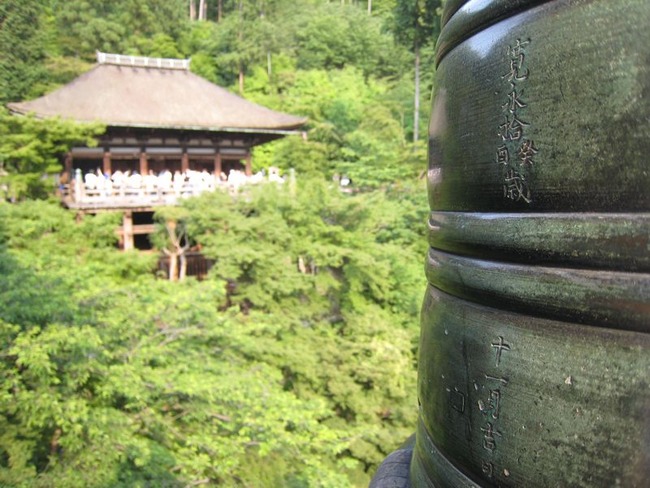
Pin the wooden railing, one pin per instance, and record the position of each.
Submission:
(93, 191)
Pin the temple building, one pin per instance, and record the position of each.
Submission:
(170, 134)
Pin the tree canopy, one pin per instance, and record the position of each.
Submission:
(298, 347)
(31, 149)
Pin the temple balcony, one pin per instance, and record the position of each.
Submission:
(94, 192)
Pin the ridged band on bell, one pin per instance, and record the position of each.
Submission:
(606, 241)
(514, 400)
(600, 298)
(534, 352)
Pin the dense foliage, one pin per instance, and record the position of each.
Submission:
(296, 352)
(31, 148)
(293, 362)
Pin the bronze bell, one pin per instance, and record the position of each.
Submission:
(534, 364)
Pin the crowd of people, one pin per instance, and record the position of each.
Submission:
(190, 182)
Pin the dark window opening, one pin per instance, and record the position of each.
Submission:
(142, 229)
(142, 242)
(142, 218)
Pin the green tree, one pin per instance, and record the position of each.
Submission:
(22, 48)
(31, 148)
(86, 26)
(337, 36)
(143, 381)
(357, 128)
(297, 352)
(337, 296)
(172, 239)
(417, 25)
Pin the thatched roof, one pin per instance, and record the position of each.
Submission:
(152, 92)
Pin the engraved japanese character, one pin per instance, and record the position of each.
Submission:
(518, 49)
(514, 101)
(516, 71)
(517, 57)
(512, 128)
(526, 152)
(515, 188)
(487, 468)
(503, 381)
(492, 405)
(503, 155)
(500, 346)
(489, 437)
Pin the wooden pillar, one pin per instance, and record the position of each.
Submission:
(67, 169)
(106, 163)
(127, 230)
(185, 162)
(144, 163)
(68, 163)
(249, 165)
(217, 165)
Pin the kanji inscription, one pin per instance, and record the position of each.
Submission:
(515, 154)
(490, 389)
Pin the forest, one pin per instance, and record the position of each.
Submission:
(293, 362)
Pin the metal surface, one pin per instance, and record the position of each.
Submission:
(570, 78)
(534, 359)
(463, 18)
(514, 400)
(585, 240)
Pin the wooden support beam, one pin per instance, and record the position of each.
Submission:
(68, 162)
(185, 162)
(143, 229)
(106, 163)
(249, 165)
(144, 163)
(217, 165)
(67, 168)
(127, 231)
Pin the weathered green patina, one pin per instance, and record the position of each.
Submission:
(535, 346)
